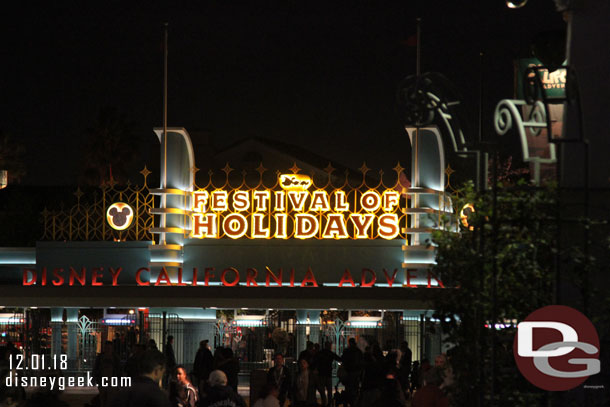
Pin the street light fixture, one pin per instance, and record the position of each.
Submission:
(3, 179)
(515, 3)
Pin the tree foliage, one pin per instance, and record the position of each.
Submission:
(503, 269)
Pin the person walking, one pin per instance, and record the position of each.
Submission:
(280, 377)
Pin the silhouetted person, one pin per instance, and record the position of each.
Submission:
(230, 366)
(324, 364)
(145, 390)
(391, 391)
(204, 362)
(107, 364)
(404, 365)
(307, 353)
(352, 362)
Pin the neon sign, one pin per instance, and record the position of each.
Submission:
(294, 211)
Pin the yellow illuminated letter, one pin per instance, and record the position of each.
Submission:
(235, 225)
(280, 226)
(362, 223)
(319, 201)
(219, 201)
(340, 202)
(280, 201)
(261, 198)
(389, 200)
(370, 201)
(258, 230)
(241, 201)
(306, 226)
(204, 225)
(388, 226)
(200, 201)
(297, 199)
(335, 227)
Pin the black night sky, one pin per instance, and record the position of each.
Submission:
(322, 75)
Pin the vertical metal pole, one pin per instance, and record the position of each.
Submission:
(164, 180)
(494, 242)
(163, 331)
(415, 174)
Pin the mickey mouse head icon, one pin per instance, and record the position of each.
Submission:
(119, 215)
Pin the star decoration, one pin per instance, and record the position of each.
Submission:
(398, 168)
(145, 172)
(295, 169)
(449, 170)
(329, 168)
(78, 194)
(260, 169)
(227, 169)
(364, 169)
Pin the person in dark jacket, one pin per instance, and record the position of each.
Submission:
(204, 362)
(404, 365)
(145, 390)
(324, 364)
(304, 393)
(219, 394)
(107, 364)
(352, 362)
(280, 377)
(230, 366)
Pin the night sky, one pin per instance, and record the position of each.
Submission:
(322, 75)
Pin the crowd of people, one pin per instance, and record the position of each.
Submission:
(370, 377)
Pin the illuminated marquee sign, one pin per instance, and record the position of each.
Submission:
(295, 208)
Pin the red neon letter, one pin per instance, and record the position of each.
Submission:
(309, 278)
(270, 275)
(224, 274)
(82, 278)
(207, 275)
(388, 279)
(60, 279)
(115, 275)
(163, 277)
(410, 276)
(363, 282)
(97, 273)
(138, 280)
(431, 275)
(250, 277)
(26, 274)
(347, 278)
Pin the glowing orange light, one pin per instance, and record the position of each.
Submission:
(295, 182)
(466, 210)
(119, 215)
